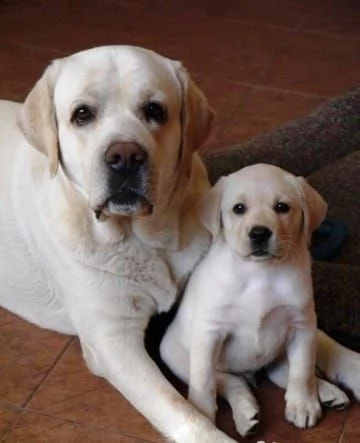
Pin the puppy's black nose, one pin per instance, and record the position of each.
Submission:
(259, 234)
(124, 157)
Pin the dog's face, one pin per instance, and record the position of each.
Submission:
(122, 122)
(264, 212)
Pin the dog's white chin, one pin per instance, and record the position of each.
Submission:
(260, 258)
(254, 257)
(140, 209)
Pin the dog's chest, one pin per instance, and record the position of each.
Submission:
(259, 322)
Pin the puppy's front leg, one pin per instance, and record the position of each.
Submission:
(111, 328)
(302, 404)
(204, 353)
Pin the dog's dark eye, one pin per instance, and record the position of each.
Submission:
(155, 112)
(281, 208)
(239, 209)
(83, 115)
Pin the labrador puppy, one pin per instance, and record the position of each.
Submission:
(99, 184)
(249, 303)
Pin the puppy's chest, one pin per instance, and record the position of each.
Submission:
(259, 323)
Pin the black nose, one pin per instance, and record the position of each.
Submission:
(259, 234)
(125, 157)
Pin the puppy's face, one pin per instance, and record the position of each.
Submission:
(264, 212)
(122, 121)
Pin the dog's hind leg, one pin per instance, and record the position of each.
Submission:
(338, 364)
(245, 408)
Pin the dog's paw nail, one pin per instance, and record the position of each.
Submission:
(340, 406)
(256, 416)
(328, 404)
(253, 430)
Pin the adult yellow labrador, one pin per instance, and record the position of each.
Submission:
(99, 181)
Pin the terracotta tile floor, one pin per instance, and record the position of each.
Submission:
(260, 63)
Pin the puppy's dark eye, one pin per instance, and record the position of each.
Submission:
(281, 208)
(155, 112)
(83, 115)
(239, 209)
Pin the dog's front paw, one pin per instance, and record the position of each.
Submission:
(302, 410)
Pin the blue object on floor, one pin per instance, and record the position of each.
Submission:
(327, 239)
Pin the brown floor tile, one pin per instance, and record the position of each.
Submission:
(13, 90)
(252, 11)
(225, 104)
(226, 50)
(199, 41)
(70, 26)
(8, 414)
(27, 353)
(351, 431)
(334, 16)
(64, 24)
(21, 66)
(38, 428)
(264, 110)
(72, 393)
(262, 13)
(316, 64)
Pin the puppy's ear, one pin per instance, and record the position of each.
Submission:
(209, 208)
(196, 114)
(313, 205)
(37, 118)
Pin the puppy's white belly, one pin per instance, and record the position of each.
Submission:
(254, 343)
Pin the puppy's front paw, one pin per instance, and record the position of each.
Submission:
(302, 410)
(246, 416)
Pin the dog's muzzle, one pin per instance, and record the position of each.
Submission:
(259, 241)
(128, 179)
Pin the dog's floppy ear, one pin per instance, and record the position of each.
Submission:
(196, 113)
(313, 205)
(209, 208)
(37, 118)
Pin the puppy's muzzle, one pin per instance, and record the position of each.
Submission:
(259, 239)
(128, 174)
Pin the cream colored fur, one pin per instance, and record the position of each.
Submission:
(249, 304)
(62, 268)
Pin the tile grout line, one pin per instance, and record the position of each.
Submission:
(22, 407)
(260, 86)
(253, 87)
(39, 48)
(21, 410)
(74, 422)
(46, 375)
(342, 432)
(14, 420)
(11, 424)
(296, 30)
(263, 25)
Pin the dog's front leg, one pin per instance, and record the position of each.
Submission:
(111, 328)
(302, 404)
(204, 352)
